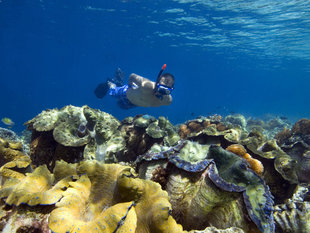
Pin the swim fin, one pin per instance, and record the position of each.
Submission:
(101, 90)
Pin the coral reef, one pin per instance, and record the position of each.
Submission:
(87, 171)
(267, 152)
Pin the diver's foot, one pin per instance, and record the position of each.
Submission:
(101, 90)
(111, 85)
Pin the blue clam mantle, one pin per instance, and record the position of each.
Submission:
(227, 171)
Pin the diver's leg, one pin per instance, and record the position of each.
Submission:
(120, 94)
(117, 91)
(118, 78)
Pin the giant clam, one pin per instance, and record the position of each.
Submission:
(204, 182)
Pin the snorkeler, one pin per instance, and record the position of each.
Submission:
(140, 91)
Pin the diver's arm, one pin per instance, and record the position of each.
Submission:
(167, 100)
(135, 80)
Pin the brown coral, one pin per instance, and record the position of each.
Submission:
(184, 131)
(195, 126)
(237, 149)
(221, 127)
(160, 175)
(255, 164)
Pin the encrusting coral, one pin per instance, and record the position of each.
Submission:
(255, 164)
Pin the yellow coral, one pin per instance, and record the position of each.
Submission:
(255, 164)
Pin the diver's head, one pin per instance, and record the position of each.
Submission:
(166, 80)
(164, 85)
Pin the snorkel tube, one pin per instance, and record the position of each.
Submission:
(161, 89)
(160, 72)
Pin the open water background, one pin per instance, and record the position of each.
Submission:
(229, 56)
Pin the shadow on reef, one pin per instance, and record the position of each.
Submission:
(87, 171)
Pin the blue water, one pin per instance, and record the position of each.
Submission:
(248, 57)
